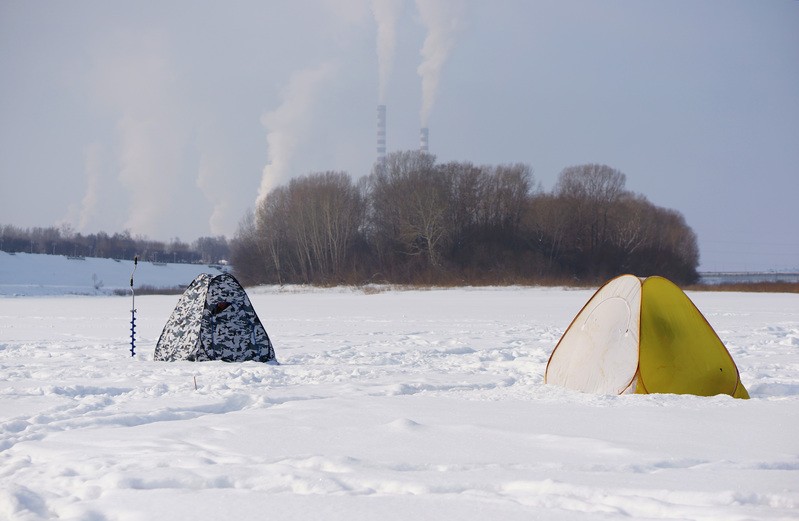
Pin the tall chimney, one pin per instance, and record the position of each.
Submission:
(424, 140)
(381, 133)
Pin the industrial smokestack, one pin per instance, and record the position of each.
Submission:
(424, 140)
(381, 133)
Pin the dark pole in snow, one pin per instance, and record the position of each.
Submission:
(133, 309)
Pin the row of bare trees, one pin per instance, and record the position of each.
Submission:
(64, 240)
(415, 221)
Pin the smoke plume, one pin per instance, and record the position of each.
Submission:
(212, 168)
(81, 215)
(386, 13)
(94, 172)
(136, 79)
(287, 125)
(443, 20)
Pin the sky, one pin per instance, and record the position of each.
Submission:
(170, 119)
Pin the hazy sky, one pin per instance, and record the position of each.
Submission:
(168, 118)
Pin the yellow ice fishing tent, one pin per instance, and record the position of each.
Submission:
(643, 336)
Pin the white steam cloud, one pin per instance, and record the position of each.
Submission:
(210, 180)
(443, 20)
(94, 172)
(386, 13)
(135, 78)
(149, 160)
(80, 216)
(289, 123)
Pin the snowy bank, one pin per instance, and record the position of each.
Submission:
(36, 274)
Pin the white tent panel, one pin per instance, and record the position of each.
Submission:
(599, 351)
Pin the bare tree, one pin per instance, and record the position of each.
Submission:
(592, 190)
(634, 224)
(246, 252)
(212, 249)
(547, 226)
(308, 227)
(506, 195)
(271, 227)
(411, 206)
(425, 222)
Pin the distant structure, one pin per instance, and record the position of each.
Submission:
(381, 133)
(424, 140)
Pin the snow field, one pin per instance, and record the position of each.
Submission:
(24, 274)
(399, 404)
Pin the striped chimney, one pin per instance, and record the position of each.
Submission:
(381, 132)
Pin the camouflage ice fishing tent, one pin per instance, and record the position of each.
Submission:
(214, 320)
(643, 336)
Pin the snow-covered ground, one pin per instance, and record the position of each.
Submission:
(389, 405)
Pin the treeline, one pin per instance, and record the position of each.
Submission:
(64, 241)
(418, 222)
